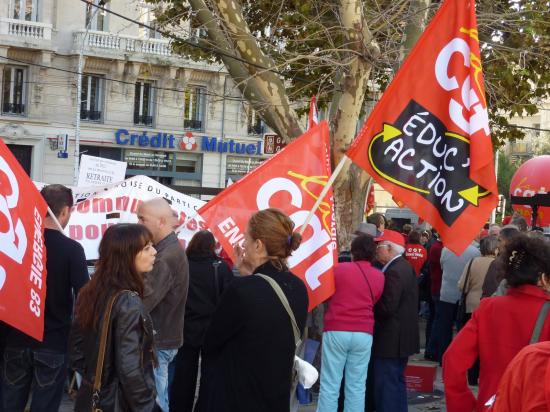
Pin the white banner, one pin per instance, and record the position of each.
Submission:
(97, 171)
(97, 208)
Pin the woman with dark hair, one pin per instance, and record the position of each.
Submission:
(114, 293)
(209, 276)
(248, 352)
(349, 324)
(501, 326)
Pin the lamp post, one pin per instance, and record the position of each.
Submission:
(79, 93)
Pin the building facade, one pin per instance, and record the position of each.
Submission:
(178, 121)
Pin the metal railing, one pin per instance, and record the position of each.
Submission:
(143, 120)
(93, 115)
(192, 124)
(13, 108)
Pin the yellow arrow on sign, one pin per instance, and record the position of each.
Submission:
(472, 194)
(390, 132)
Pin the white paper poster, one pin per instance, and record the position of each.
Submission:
(98, 171)
(97, 208)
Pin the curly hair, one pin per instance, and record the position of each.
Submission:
(524, 260)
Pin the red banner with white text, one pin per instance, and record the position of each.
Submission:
(22, 251)
(290, 181)
(427, 141)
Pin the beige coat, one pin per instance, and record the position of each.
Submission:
(479, 268)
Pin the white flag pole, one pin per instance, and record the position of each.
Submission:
(324, 192)
(54, 218)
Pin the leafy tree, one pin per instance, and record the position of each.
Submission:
(279, 54)
(542, 145)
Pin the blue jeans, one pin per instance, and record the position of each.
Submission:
(43, 370)
(344, 353)
(161, 377)
(390, 391)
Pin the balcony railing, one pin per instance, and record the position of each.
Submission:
(192, 124)
(25, 29)
(122, 43)
(143, 120)
(92, 115)
(13, 108)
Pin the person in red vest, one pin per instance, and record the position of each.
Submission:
(415, 253)
(501, 326)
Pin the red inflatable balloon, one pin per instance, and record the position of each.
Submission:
(531, 178)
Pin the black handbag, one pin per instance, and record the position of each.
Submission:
(461, 315)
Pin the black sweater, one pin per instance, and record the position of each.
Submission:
(249, 346)
(203, 296)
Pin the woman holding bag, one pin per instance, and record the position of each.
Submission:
(349, 324)
(501, 326)
(111, 342)
(248, 352)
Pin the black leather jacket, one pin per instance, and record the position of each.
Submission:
(128, 383)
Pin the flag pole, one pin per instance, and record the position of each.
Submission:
(54, 218)
(324, 192)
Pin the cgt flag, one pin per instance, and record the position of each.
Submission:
(427, 141)
(291, 181)
(22, 252)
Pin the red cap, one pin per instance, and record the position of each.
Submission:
(391, 236)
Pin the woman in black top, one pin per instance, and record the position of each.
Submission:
(249, 346)
(208, 278)
(126, 252)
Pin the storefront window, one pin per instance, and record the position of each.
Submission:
(112, 153)
(236, 167)
(149, 160)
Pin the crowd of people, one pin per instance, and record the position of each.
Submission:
(161, 328)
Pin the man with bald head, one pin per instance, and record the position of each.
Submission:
(165, 291)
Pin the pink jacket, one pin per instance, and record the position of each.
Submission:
(351, 307)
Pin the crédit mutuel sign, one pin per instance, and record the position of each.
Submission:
(187, 142)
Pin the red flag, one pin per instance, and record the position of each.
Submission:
(428, 140)
(291, 181)
(313, 119)
(22, 251)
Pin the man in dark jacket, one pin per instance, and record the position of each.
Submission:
(41, 366)
(165, 291)
(396, 335)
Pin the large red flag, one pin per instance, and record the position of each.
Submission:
(428, 140)
(291, 181)
(22, 251)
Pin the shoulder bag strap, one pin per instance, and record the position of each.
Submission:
(102, 347)
(216, 264)
(540, 322)
(286, 305)
(466, 279)
(368, 283)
